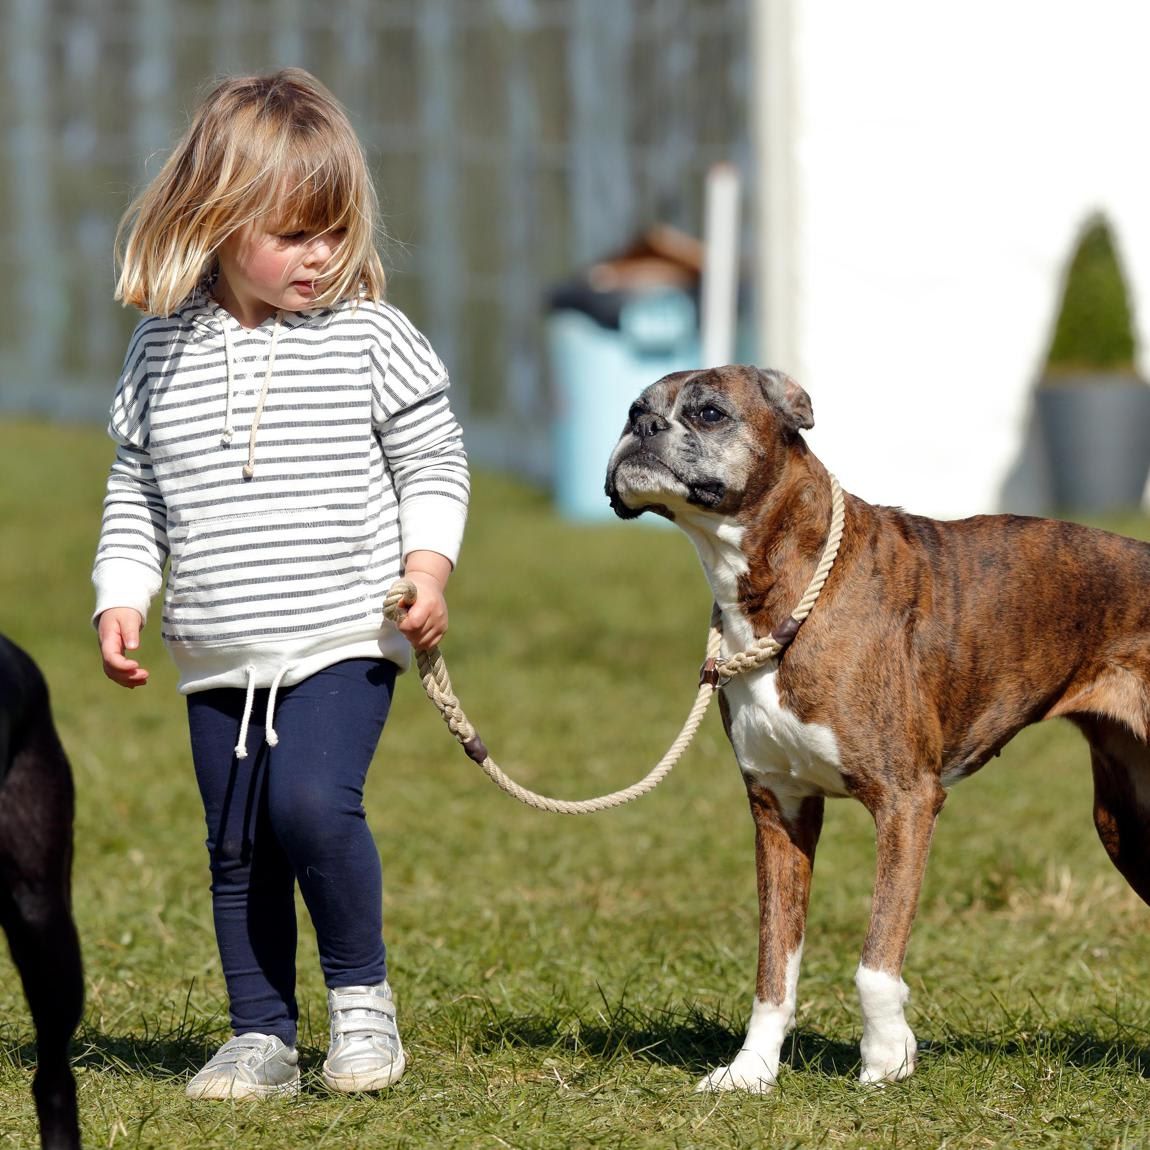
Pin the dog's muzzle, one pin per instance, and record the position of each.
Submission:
(638, 480)
(611, 489)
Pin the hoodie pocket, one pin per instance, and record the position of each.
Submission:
(275, 572)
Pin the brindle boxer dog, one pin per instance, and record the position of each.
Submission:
(931, 646)
(36, 802)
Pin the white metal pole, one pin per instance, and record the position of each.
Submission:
(720, 265)
(773, 125)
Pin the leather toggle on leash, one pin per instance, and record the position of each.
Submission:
(715, 672)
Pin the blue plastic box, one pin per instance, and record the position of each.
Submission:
(598, 372)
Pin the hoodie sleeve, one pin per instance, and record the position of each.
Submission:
(421, 439)
(133, 546)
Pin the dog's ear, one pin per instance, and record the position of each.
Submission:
(791, 401)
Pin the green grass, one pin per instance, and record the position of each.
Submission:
(563, 982)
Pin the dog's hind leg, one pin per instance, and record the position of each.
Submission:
(785, 844)
(1121, 764)
(45, 951)
(35, 911)
(904, 824)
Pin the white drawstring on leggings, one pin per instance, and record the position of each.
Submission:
(270, 736)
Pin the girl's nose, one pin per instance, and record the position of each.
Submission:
(320, 250)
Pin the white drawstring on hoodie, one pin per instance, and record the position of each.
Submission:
(229, 360)
(270, 736)
(230, 355)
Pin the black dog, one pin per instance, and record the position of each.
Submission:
(36, 804)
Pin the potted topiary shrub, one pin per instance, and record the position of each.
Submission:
(1093, 407)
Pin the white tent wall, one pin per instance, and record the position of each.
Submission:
(944, 157)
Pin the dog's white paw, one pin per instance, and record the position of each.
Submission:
(748, 1072)
(888, 1047)
(888, 1057)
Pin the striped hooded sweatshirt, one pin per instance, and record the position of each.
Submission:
(355, 461)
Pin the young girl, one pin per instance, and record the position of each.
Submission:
(285, 443)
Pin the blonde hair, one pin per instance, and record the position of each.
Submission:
(277, 148)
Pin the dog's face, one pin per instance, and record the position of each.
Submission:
(706, 441)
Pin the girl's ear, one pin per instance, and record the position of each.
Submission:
(787, 398)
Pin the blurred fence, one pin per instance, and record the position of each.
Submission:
(513, 140)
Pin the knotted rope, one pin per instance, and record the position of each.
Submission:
(716, 671)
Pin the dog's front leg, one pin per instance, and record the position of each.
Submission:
(904, 823)
(785, 842)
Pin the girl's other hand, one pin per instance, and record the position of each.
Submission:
(119, 631)
(426, 621)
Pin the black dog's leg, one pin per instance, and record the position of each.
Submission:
(36, 804)
(47, 955)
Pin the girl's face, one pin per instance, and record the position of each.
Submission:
(263, 272)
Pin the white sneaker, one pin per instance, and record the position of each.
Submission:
(248, 1066)
(365, 1051)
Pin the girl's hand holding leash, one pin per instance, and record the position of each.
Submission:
(425, 622)
(119, 632)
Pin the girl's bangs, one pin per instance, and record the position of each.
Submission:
(312, 197)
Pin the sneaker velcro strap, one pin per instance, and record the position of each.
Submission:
(373, 1002)
(364, 1025)
(244, 1048)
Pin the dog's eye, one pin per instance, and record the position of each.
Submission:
(711, 414)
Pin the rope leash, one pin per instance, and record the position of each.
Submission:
(716, 671)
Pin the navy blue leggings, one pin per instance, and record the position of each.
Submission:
(293, 813)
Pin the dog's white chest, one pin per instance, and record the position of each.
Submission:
(792, 758)
(789, 756)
